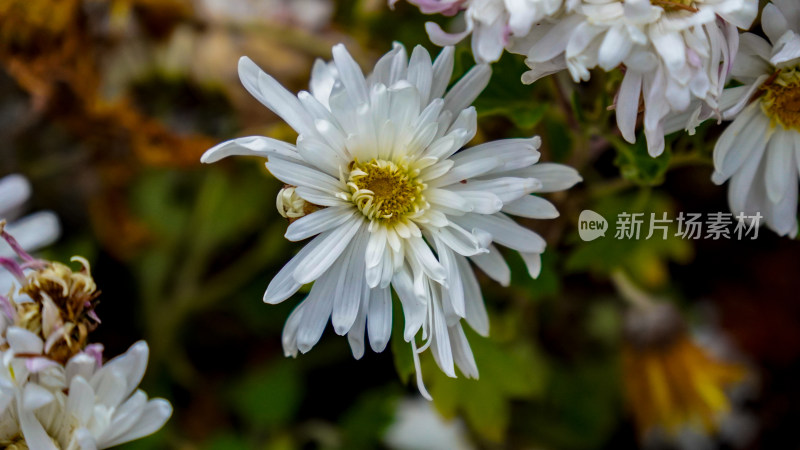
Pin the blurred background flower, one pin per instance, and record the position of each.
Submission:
(106, 107)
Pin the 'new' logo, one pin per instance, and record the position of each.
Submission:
(591, 225)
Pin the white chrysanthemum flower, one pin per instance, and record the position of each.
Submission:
(27, 382)
(493, 24)
(378, 178)
(33, 232)
(760, 151)
(80, 405)
(103, 407)
(673, 52)
(54, 391)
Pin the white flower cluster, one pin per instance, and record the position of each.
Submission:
(677, 57)
(55, 391)
(672, 51)
(379, 181)
(760, 151)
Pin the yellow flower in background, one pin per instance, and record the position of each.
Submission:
(671, 382)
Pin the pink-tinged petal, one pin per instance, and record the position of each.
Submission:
(36, 365)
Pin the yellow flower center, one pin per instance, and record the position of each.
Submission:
(385, 190)
(781, 98)
(675, 5)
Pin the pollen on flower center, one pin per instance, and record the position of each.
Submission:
(781, 99)
(384, 190)
(675, 5)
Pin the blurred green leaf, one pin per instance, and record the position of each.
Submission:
(268, 397)
(401, 350)
(636, 164)
(548, 284)
(227, 441)
(365, 422)
(506, 96)
(508, 371)
(582, 406)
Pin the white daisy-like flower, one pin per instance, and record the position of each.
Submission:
(673, 52)
(54, 391)
(33, 231)
(80, 405)
(493, 24)
(103, 407)
(378, 177)
(759, 152)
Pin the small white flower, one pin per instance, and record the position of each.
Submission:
(395, 203)
(54, 391)
(493, 23)
(418, 426)
(759, 152)
(104, 408)
(33, 232)
(673, 52)
(80, 405)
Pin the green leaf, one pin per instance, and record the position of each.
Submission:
(636, 165)
(268, 397)
(548, 284)
(401, 350)
(366, 421)
(508, 371)
(583, 406)
(506, 95)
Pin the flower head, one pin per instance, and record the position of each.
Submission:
(759, 152)
(55, 392)
(379, 179)
(671, 382)
(53, 302)
(673, 52)
(493, 24)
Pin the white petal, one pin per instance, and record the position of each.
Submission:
(493, 265)
(532, 207)
(249, 146)
(34, 397)
(316, 311)
(14, 192)
(356, 334)
(301, 175)
(780, 168)
(155, 415)
(442, 72)
(420, 72)
(80, 402)
(628, 104)
(467, 89)
(350, 74)
(504, 231)
(274, 96)
(462, 353)
(350, 286)
(476, 315)
(24, 341)
(318, 222)
(440, 343)
(329, 249)
(32, 232)
(554, 177)
(379, 320)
